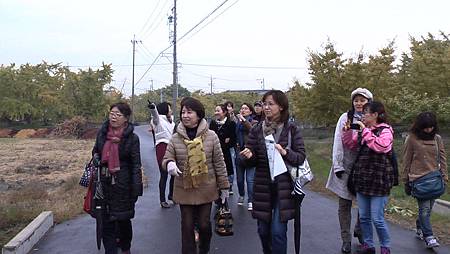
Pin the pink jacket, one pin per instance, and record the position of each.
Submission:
(379, 144)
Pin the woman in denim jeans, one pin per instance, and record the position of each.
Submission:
(373, 174)
(421, 151)
(244, 174)
(273, 203)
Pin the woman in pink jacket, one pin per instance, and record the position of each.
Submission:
(372, 174)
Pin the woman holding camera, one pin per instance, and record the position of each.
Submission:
(343, 158)
(424, 153)
(373, 174)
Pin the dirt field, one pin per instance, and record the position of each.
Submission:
(47, 162)
(38, 175)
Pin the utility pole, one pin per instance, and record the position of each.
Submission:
(132, 77)
(211, 84)
(151, 85)
(262, 83)
(161, 95)
(175, 71)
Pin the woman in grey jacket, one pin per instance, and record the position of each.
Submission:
(163, 127)
(342, 161)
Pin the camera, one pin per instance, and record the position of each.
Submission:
(355, 126)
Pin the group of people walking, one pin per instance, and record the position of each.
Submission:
(202, 159)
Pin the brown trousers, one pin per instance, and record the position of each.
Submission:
(345, 220)
(195, 216)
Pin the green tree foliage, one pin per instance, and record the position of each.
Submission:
(51, 92)
(421, 82)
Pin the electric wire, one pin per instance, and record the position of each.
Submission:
(149, 17)
(201, 21)
(209, 22)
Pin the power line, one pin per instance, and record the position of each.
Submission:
(246, 66)
(149, 17)
(192, 35)
(201, 21)
(153, 27)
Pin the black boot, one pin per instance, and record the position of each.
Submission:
(346, 247)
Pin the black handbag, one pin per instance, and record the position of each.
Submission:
(223, 220)
(431, 185)
(89, 169)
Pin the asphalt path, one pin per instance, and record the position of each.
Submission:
(157, 230)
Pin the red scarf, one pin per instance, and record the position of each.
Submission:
(110, 153)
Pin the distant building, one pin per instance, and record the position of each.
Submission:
(259, 92)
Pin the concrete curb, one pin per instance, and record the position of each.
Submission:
(24, 241)
(441, 207)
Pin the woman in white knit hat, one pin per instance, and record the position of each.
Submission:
(342, 160)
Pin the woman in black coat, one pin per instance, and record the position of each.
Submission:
(117, 151)
(273, 202)
(225, 129)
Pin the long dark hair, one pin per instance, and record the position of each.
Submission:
(422, 121)
(281, 99)
(377, 107)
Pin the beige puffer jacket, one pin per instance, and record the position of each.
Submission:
(217, 180)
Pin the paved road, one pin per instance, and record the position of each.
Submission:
(157, 231)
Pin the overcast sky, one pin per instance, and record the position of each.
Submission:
(249, 33)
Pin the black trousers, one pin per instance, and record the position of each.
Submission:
(199, 215)
(116, 234)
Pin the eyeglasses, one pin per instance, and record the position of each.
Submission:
(116, 114)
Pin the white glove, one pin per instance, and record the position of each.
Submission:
(172, 169)
(224, 194)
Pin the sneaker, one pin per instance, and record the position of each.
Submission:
(431, 242)
(385, 250)
(419, 233)
(358, 235)
(240, 201)
(165, 204)
(365, 249)
(250, 206)
(346, 247)
(196, 236)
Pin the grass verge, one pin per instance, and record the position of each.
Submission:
(401, 209)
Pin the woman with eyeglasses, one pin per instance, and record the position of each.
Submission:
(274, 204)
(116, 151)
(373, 174)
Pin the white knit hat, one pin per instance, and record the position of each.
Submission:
(363, 92)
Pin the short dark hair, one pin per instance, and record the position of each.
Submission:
(123, 107)
(281, 99)
(224, 109)
(193, 104)
(229, 103)
(377, 107)
(163, 108)
(422, 121)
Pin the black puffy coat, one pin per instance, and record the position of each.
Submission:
(121, 196)
(264, 190)
(227, 130)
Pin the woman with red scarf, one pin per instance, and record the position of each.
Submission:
(117, 151)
